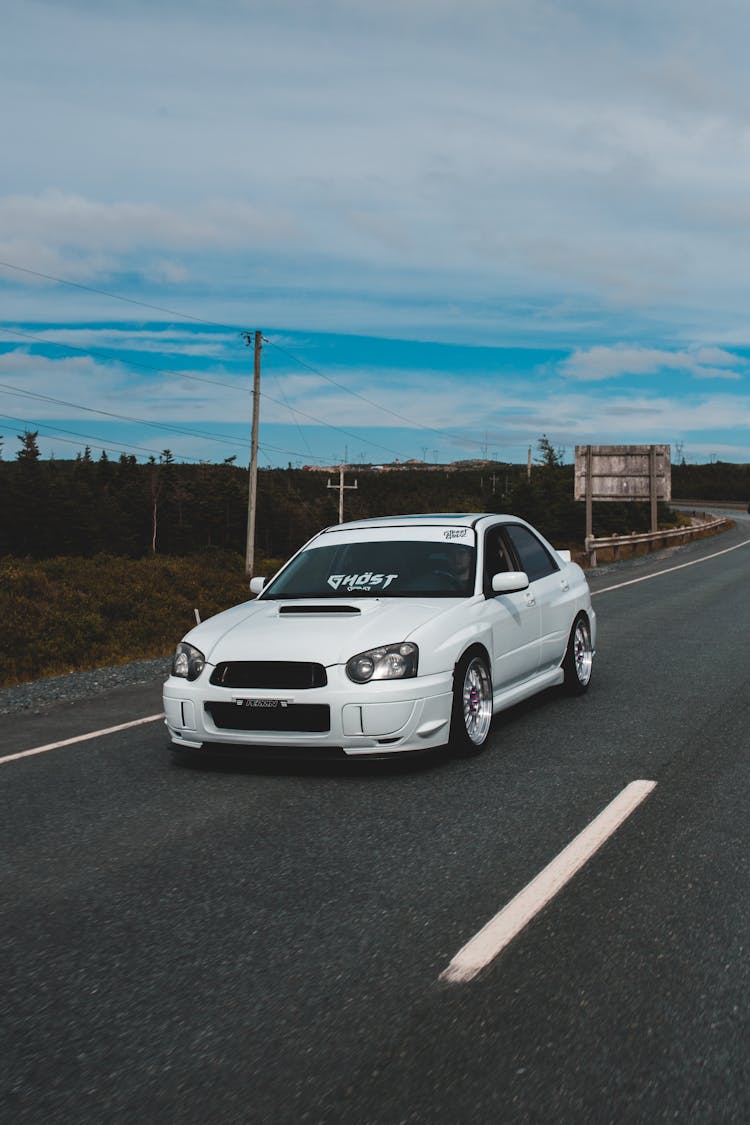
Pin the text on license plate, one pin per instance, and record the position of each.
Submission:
(261, 704)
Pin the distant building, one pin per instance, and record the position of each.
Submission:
(411, 466)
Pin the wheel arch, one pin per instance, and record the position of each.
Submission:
(573, 682)
(474, 648)
(581, 612)
(471, 714)
(478, 648)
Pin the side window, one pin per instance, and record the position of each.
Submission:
(533, 556)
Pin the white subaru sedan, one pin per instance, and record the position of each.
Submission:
(384, 636)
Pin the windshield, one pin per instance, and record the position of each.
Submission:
(379, 569)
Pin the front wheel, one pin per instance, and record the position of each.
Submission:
(579, 658)
(472, 705)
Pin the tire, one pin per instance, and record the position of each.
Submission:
(578, 663)
(472, 705)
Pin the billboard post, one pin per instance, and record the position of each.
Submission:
(617, 473)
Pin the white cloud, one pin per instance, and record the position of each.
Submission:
(58, 222)
(599, 363)
(290, 153)
(502, 171)
(161, 341)
(79, 385)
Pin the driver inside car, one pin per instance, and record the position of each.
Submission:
(461, 567)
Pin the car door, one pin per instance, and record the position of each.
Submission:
(515, 618)
(549, 586)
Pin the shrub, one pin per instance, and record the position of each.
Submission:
(71, 614)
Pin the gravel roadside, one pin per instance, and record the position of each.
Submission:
(39, 694)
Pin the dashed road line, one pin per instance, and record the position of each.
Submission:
(484, 947)
(80, 738)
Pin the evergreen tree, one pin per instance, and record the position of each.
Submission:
(547, 455)
(29, 450)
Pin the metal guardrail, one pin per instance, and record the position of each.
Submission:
(736, 505)
(661, 538)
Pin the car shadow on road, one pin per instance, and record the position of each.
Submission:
(284, 764)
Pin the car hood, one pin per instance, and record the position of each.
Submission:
(327, 632)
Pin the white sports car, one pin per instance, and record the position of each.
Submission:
(382, 636)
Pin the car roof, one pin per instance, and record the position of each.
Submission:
(429, 519)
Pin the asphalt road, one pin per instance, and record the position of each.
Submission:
(266, 945)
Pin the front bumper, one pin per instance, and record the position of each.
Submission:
(372, 720)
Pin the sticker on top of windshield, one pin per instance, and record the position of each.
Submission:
(367, 581)
(455, 533)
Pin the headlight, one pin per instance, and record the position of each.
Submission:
(391, 662)
(188, 662)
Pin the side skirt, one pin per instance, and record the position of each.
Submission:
(508, 697)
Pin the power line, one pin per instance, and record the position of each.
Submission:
(328, 425)
(199, 379)
(370, 402)
(120, 417)
(300, 431)
(17, 392)
(117, 296)
(216, 324)
(120, 447)
(264, 446)
(162, 371)
(118, 359)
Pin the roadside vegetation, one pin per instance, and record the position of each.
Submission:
(64, 615)
(103, 562)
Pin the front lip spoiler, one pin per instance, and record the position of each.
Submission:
(229, 752)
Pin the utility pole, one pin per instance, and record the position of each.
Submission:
(653, 488)
(252, 493)
(590, 499)
(341, 486)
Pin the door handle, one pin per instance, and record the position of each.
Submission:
(530, 599)
(564, 584)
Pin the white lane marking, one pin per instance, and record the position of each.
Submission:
(669, 569)
(80, 738)
(508, 922)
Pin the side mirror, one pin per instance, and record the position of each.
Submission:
(565, 556)
(256, 585)
(509, 582)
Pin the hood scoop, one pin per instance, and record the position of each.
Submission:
(305, 610)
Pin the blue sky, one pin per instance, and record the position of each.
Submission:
(458, 225)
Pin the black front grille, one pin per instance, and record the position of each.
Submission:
(286, 675)
(271, 715)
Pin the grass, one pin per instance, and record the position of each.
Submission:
(71, 614)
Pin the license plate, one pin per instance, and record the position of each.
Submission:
(261, 704)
